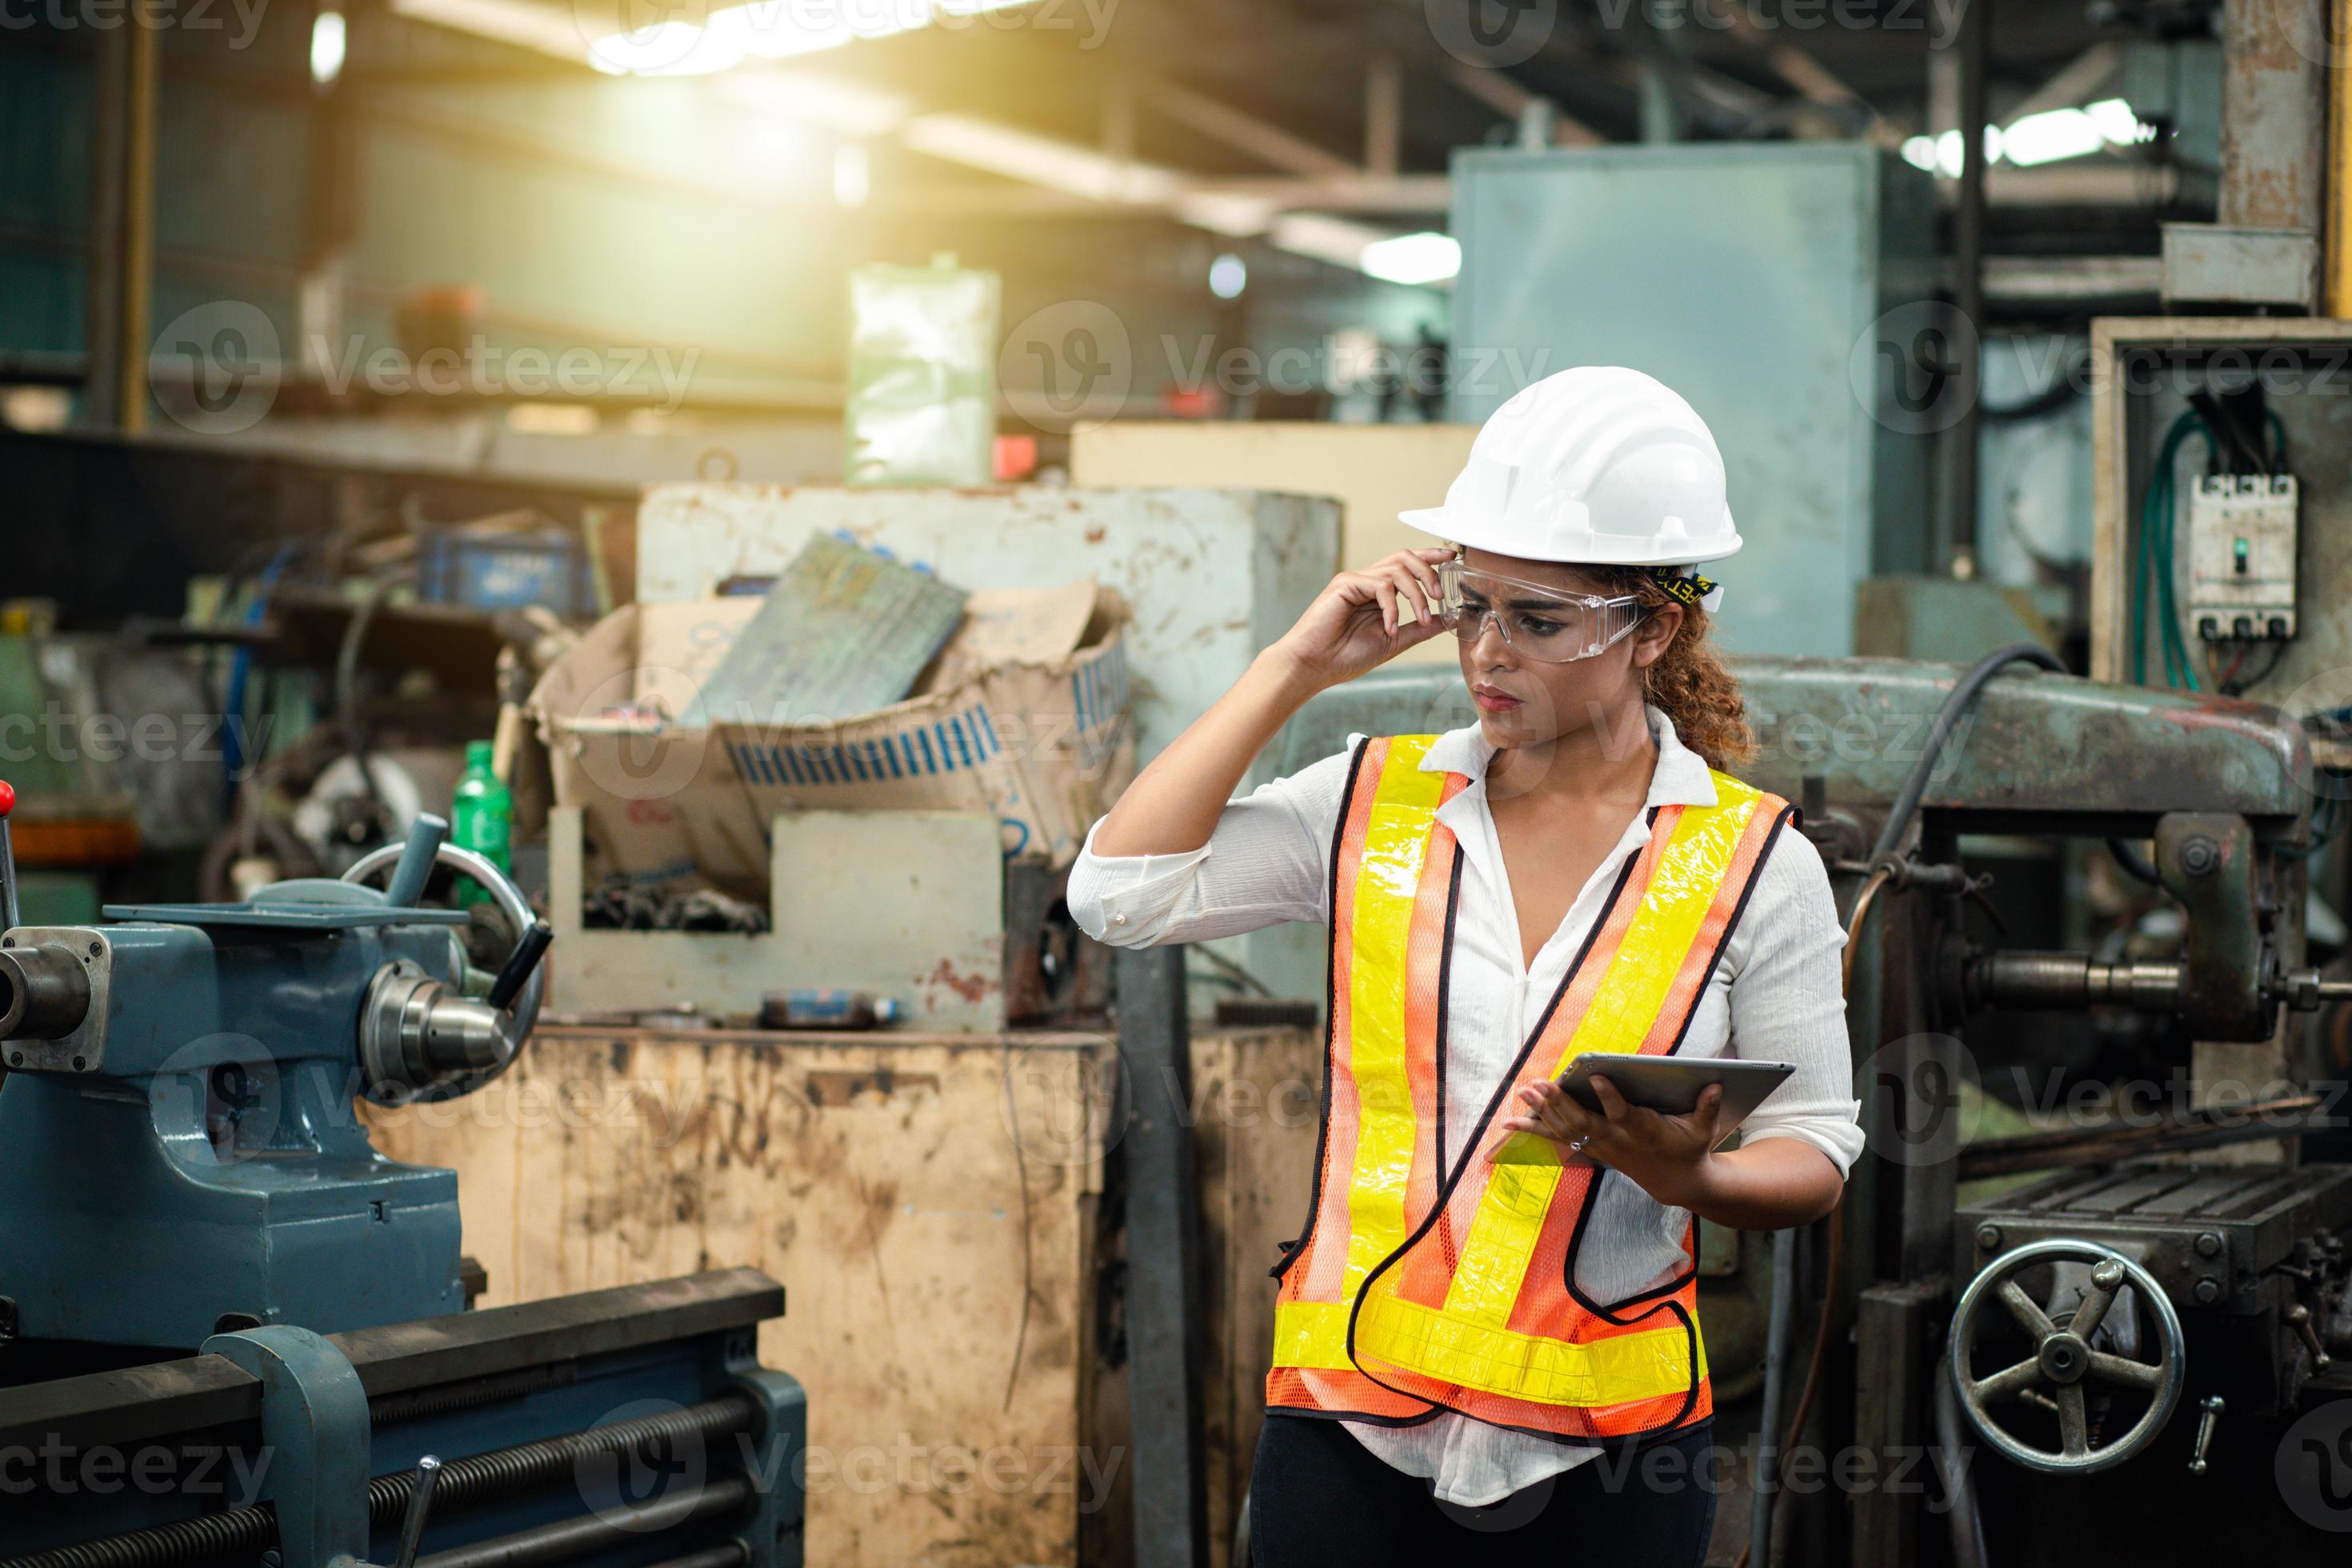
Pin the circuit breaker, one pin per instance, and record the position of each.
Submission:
(2242, 531)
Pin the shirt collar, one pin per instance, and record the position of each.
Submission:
(1682, 777)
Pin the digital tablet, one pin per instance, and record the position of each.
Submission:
(1670, 1085)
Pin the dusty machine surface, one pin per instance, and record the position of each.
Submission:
(2135, 1344)
(232, 1334)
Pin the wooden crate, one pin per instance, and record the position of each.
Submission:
(880, 1179)
(929, 1203)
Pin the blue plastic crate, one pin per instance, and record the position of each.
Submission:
(507, 571)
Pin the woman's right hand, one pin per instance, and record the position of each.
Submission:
(1358, 622)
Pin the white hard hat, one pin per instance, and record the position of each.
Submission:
(1598, 465)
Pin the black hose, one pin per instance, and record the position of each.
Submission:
(1947, 718)
(2134, 865)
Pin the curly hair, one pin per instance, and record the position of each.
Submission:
(1690, 682)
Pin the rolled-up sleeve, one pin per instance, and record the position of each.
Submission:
(1264, 863)
(1788, 1003)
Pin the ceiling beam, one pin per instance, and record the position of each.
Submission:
(1243, 133)
(1512, 102)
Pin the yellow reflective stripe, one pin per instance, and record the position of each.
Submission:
(1689, 872)
(1396, 841)
(1648, 1363)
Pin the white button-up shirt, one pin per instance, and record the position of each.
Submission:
(1776, 997)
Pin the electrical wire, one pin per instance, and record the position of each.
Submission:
(2156, 557)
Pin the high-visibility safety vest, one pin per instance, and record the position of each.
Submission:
(1416, 1289)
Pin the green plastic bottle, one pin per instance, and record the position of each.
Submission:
(483, 820)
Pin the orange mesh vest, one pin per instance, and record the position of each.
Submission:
(1416, 1288)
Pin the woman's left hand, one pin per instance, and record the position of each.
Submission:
(1667, 1156)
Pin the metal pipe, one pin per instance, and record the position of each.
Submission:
(572, 1539)
(2274, 114)
(2047, 981)
(1968, 293)
(1776, 1382)
(44, 992)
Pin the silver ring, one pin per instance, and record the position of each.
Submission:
(1576, 1145)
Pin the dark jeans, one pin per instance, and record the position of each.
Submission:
(1317, 1497)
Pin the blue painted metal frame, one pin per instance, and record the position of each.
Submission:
(214, 1145)
(314, 1429)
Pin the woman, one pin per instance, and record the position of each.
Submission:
(1487, 1338)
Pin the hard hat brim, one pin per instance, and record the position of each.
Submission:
(1474, 534)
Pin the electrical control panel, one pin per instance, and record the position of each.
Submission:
(2242, 531)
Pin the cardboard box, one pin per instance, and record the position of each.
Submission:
(1025, 714)
(650, 791)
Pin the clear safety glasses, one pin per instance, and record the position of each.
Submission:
(1538, 623)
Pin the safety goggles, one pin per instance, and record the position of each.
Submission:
(1543, 624)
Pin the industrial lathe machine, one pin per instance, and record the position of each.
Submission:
(2087, 1296)
(232, 1334)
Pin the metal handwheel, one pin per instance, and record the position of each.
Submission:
(403, 1035)
(2063, 1365)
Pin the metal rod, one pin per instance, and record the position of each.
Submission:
(1776, 1383)
(734, 1554)
(238, 1535)
(420, 1509)
(1968, 293)
(426, 836)
(10, 917)
(574, 1538)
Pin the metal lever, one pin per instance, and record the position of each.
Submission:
(2298, 1317)
(10, 917)
(426, 836)
(2211, 1406)
(420, 1504)
(519, 963)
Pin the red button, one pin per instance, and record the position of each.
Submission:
(7, 797)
